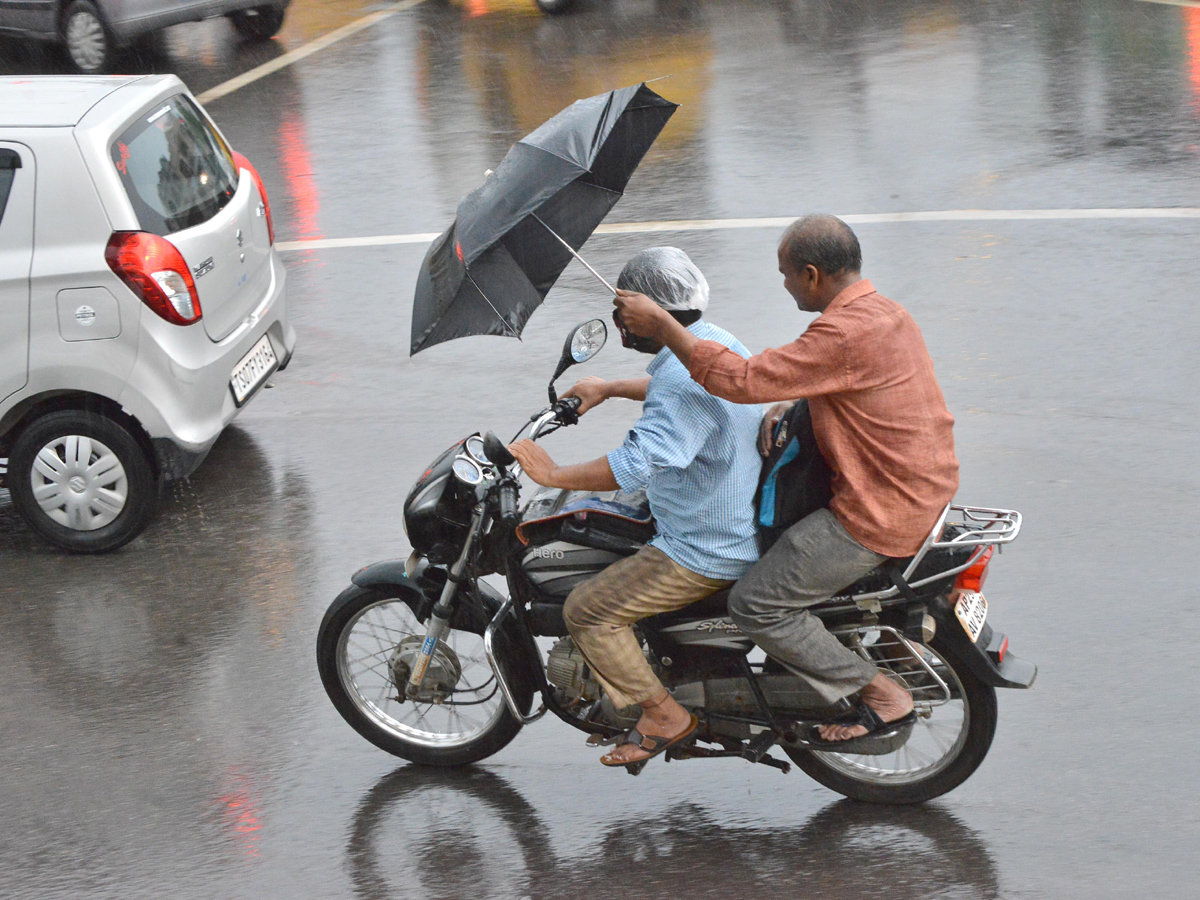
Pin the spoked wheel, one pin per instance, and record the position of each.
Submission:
(365, 648)
(948, 742)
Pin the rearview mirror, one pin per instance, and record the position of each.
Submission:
(584, 342)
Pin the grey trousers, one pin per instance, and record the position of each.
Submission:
(811, 562)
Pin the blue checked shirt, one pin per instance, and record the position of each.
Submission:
(696, 457)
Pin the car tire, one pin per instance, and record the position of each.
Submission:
(554, 7)
(82, 481)
(260, 23)
(87, 40)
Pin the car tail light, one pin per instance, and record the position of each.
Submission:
(156, 271)
(972, 579)
(242, 163)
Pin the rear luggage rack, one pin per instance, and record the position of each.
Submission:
(981, 526)
(969, 526)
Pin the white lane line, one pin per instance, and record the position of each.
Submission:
(1194, 4)
(304, 51)
(937, 215)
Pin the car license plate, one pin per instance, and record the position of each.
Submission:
(253, 370)
(971, 610)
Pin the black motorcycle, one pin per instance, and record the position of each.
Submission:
(431, 663)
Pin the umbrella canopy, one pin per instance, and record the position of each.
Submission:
(493, 267)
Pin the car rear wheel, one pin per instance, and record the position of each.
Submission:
(81, 481)
(89, 45)
(259, 23)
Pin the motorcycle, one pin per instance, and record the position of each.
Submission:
(431, 663)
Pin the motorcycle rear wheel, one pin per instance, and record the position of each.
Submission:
(869, 780)
(361, 684)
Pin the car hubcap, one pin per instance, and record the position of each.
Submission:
(79, 482)
(85, 40)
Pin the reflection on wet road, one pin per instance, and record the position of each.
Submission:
(502, 843)
(162, 726)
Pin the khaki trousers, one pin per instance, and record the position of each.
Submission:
(600, 614)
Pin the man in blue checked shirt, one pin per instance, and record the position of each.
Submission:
(696, 457)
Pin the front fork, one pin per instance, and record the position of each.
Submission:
(443, 610)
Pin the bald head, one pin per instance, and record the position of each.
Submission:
(824, 242)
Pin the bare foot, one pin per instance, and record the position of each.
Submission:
(889, 701)
(661, 718)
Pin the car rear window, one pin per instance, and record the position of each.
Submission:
(9, 163)
(176, 169)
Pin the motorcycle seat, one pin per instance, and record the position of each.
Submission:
(939, 560)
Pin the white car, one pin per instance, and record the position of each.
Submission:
(142, 301)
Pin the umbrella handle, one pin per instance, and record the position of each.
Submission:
(587, 265)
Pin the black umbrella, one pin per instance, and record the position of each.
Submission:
(514, 235)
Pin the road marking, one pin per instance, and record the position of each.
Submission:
(304, 51)
(1194, 4)
(937, 215)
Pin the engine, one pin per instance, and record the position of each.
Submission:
(575, 685)
(568, 671)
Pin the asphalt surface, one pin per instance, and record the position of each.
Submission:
(163, 731)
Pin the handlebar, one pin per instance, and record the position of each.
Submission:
(508, 502)
(559, 414)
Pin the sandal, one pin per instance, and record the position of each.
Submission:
(651, 743)
(862, 715)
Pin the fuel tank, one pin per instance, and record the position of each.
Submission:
(569, 536)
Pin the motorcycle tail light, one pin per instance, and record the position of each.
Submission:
(242, 163)
(972, 579)
(155, 270)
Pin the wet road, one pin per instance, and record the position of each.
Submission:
(162, 727)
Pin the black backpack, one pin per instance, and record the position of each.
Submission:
(795, 479)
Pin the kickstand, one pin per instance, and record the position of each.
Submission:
(756, 751)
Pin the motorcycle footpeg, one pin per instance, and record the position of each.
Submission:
(599, 740)
(758, 746)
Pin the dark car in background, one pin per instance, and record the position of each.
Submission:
(92, 31)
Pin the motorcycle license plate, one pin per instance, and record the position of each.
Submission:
(971, 610)
(252, 370)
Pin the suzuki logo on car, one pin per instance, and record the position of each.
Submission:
(239, 237)
(204, 268)
(547, 553)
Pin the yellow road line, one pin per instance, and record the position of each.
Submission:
(939, 215)
(304, 51)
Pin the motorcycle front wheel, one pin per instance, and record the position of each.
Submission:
(363, 642)
(948, 743)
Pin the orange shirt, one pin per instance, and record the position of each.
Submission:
(878, 413)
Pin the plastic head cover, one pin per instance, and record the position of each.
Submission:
(668, 277)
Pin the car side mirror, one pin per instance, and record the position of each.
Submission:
(584, 342)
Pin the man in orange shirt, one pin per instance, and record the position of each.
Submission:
(881, 422)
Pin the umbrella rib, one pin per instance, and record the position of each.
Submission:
(538, 219)
(503, 320)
